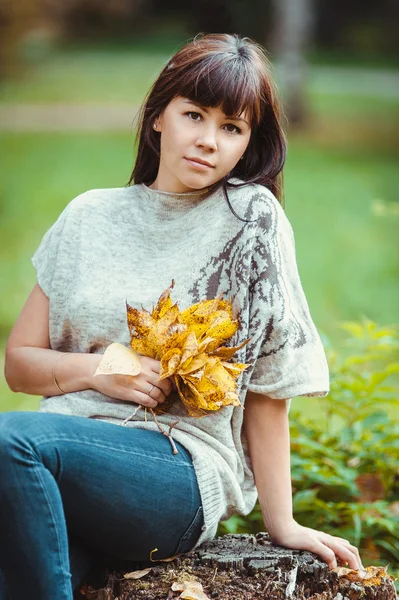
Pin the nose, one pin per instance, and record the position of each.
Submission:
(207, 138)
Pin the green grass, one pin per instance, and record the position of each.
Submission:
(347, 255)
(92, 77)
(362, 58)
(351, 106)
(93, 73)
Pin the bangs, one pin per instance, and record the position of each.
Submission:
(228, 82)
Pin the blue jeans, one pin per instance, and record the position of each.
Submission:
(75, 490)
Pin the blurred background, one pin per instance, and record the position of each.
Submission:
(73, 73)
(72, 76)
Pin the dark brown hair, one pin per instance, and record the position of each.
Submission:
(230, 72)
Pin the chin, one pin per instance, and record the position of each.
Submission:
(195, 184)
(201, 182)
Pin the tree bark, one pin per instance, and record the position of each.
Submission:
(291, 40)
(242, 567)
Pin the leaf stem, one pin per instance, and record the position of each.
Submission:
(168, 435)
(132, 415)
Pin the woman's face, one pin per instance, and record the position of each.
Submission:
(189, 131)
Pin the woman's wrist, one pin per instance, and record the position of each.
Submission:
(279, 531)
(74, 372)
(277, 521)
(93, 361)
(31, 370)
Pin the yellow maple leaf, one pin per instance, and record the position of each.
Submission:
(188, 346)
(371, 576)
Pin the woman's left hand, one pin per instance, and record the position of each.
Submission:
(328, 547)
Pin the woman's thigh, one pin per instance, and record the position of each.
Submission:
(123, 490)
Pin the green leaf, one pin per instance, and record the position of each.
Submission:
(392, 548)
(304, 500)
(233, 524)
(378, 417)
(358, 528)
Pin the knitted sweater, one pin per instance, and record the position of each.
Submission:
(109, 246)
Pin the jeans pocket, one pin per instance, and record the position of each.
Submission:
(192, 533)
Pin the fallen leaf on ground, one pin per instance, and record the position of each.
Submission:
(191, 590)
(370, 576)
(137, 574)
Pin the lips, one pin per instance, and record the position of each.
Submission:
(200, 161)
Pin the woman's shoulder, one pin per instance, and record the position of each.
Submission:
(257, 199)
(97, 198)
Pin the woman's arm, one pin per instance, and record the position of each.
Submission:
(30, 365)
(29, 370)
(266, 426)
(29, 359)
(267, 429)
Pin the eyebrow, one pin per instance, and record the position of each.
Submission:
(206, 110)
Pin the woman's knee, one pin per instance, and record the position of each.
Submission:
(15, 419)
(18, 427)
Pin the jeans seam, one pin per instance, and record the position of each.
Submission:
(67, 588)
(62, 439)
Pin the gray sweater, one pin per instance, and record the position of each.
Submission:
(109, 246)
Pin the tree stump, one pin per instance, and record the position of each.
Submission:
(243, 567)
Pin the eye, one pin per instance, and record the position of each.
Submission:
(190, 112)
(235, 128)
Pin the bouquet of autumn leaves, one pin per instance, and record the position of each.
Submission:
(188, 346)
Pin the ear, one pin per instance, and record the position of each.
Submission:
(157, 125)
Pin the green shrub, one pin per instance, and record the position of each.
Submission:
(345, 462)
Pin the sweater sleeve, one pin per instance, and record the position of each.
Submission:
(45, 257)
(289, 358)
(55, 257)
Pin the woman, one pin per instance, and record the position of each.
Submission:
(203, 211)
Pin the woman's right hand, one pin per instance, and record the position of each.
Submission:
(134, 388)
